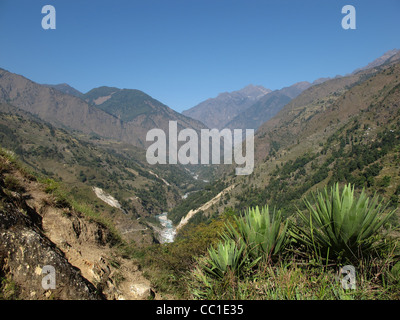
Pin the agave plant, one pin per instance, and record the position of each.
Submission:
(227, 256)
(341, 224)
(263, 234)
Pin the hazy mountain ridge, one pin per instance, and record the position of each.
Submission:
(266, 107)
(129, 105)
(217, 112)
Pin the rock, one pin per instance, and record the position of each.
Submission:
(140, 290)
(25, 250)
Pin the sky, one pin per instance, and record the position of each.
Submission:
(182, 52)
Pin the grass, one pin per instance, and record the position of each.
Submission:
(13, 184)
(304, 268)
(279, 282)
(64, 199)
(289, 280)
(9, 290)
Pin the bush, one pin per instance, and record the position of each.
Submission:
(257, 236)
(341, 225)
(228, 256)
(13, 184)
(263, 234)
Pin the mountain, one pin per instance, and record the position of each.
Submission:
(65, 88)
(270, 105)
(230, 111)
(63, 110)
(89, 206)
(58, 108)
(217, 112)
(266, 107)
(131, 105)
(379, 61)
(87, 166)
(342, 130)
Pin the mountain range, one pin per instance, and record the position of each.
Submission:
(75, 186)
(124, 115)
(252, 106)
(341, 130)
(217, 112)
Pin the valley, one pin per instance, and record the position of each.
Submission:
(83, 182)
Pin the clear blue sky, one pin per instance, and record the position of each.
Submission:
(182, 52)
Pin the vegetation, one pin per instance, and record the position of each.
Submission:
(260, 232)
(344, 225)
(196, 199)
(167, 265)
(81, 163)
(344, 133)
(123, 103)
(8, 289)
(64, 199)
(341, 226)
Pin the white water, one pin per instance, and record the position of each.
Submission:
(167, 234)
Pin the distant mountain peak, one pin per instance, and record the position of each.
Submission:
(217, 112)
(254, 91)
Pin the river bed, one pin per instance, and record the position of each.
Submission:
(168, 232)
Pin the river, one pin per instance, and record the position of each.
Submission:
(168, 233)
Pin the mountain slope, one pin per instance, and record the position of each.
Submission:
(82, 163)
(136, 107)
(266, 107)
(379, 61)
(66, 111)
(56, 107)
(349, 135)
(217, 112)
(65, 88)
(345, 130)
(38, 231)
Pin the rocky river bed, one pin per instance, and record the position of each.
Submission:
(168, 232)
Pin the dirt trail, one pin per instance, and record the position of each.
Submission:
(204, 207)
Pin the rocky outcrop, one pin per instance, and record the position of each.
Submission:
(35, 234)
(25, 251)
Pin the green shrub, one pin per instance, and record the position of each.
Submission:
(341, 225)
(227, 256)
(263, 234)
